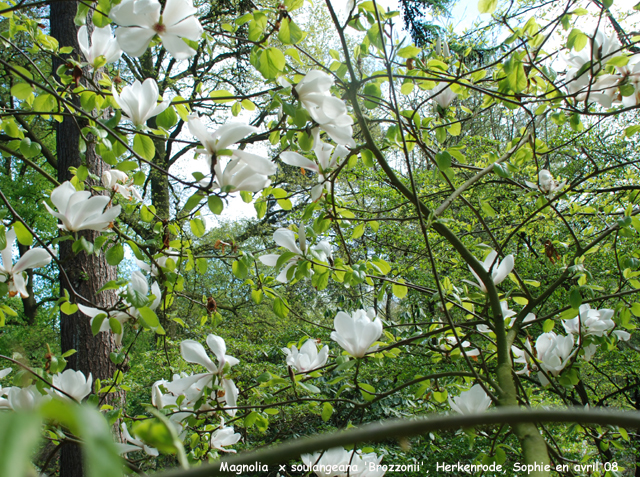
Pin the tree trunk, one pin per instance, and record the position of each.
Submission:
(86, 273)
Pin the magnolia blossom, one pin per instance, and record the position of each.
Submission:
(77, 210)
(325, 161)
(12, 274)
(160, 261)
(244, 170)
(193, 386)
(498, 270)
(442, 48)
(137, 287)
(356, 333)
(139, 101)
(140, 21)
(286, 238)
(579, 80)
(21, 399)
(131, 444)
(553, 352)
(450, 342)
(590, 322)
(631, 74)
(308, 358)
(119, 182)
(546, 183)
(473, 401)
(443, 95)
(73, 383)
(225, 436)
(522, 357)
(336, 458)
(621, 335)
(103, 44)
(314, 92)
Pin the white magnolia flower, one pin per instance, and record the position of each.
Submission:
(578, 79)
(12, 274)
(286, 238)
(193, 386)
(119, 182)
(498, 270)
(237, 176)
(621, 335)
(368, 465)
(103, 44)
(140, 21)
(443, 95)
(546, 183)
(138, 286)
(131, 444)
(5, 372)
(553, 352)
(450, 342)
(21, 399)
(225, 436)
(325, 161)
(77, 210)
(314, 92)
(473, 401)
(590, 322)
(308, 358)
(139, 101)
(336, 458)
(356, 333)
(160, 261)
(631, 74)
(589, 351)
(74, 383)
(522, 357)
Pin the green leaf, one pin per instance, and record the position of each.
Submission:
(96, 323)
(68, 308)
(149, 317)
(327, 410)
(22, 233)
(115, 255)
(400, 291)
(100, 453)
(222, 96)
(197, 227)
(143, 146)
(239, 269)
(256, 296)
(115, 326)
(19, 435)
(290, 33)
(443, 160)
(410, 51)
(487, 6)
(280, 308)
(577, 40)
(548, 325)
(372, 90)
(167, 118)
(271, 62)
(21, 91)
(367, 391)
(575, 298)
(29, 149)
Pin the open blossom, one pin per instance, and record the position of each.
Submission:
(193, 386)
(335, 458)
(160, 261)
(140, 21)
(546, 183)
(103, 44)
(132, 444)
(356, 333)
(443, 95)
(12, 274)
(139, 101)
(77, 210)
(450, 342)
(74, 383)
(137, 286)
(590, 321)
(119, 182)
(553, 352)
(308, 358)
(244, 171)
(223, 437)
(497, 269)
(314, 92)
(325, 161)
(286, 238)
(473, 401)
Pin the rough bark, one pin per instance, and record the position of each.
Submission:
(87, 274)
